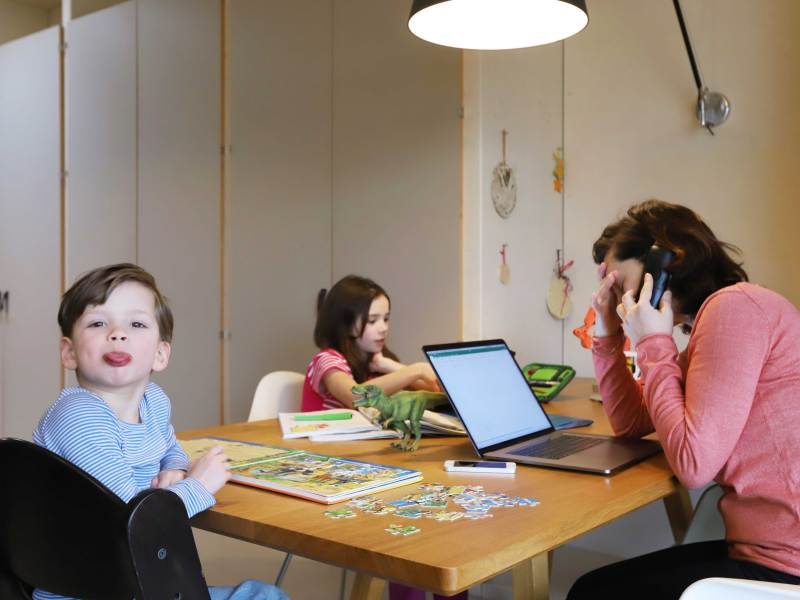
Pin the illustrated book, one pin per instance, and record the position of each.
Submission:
(317, 477)
(328, 422)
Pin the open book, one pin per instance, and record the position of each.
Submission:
(432, 423)
(317, 477)
(328, 422)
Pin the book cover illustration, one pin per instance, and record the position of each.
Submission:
(323, 476)
(330, 422)
(241, 454)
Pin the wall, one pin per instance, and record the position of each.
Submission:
(17, 20)
(630, 134)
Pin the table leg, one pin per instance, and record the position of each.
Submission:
(679, 512)
(531, 578)
(367, 587)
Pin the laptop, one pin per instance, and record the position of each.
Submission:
(505, 421)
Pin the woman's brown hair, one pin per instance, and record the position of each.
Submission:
(339, 311)
(94, 288)
(702, 263)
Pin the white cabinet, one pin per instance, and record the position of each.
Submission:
(30, 226)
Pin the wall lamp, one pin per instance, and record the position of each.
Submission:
(508, 24)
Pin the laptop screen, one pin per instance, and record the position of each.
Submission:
(488, 390)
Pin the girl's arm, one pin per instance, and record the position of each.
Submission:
(339, 383)
(384, 364)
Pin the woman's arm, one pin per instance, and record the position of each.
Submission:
(339, 383)
(699, 427)
(621, 393)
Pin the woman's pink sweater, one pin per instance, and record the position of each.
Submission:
(725, 409)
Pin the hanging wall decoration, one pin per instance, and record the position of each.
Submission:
(558, 170)
(558, 301)
(505, 270)
(504, 185)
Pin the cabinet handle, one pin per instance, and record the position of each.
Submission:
(4, 301)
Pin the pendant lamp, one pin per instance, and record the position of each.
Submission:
(496, 24)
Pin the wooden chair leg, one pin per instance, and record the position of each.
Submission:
(531, 578)
(367, 587)
(679, 512)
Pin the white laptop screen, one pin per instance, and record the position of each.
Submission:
(489, 392)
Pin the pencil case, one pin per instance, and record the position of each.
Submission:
(546, 380)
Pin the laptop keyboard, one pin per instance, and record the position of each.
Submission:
(559, 447)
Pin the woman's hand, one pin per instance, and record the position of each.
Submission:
(212, 469)
(167, 477)
(604, 303)
(639, 318)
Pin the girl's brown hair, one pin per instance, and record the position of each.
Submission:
(702, 263)
(94, 288)
(339, 310)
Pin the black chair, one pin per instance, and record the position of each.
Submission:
(63, 531)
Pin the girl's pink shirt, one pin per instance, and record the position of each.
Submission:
(315, 396)
(725, 409)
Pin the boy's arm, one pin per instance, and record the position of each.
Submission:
(86, 434)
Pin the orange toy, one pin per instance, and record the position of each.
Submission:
(584, 333)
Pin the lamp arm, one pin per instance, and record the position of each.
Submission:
(688, 43)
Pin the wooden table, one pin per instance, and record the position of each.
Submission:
(445, 557)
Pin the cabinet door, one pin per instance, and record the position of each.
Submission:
(101, 139)
(30, 222)
(397, 169)
(179, 191)
(278, 206)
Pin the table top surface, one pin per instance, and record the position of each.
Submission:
(444, 557)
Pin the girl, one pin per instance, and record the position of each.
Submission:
(725, 409)
(352, 325)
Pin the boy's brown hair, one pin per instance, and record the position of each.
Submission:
(94, 288)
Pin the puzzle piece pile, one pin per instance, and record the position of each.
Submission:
(431, 501)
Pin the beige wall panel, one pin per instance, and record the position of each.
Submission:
(29, 229)
(631, 132)
(519, 91)
(397, 169)
(18, 20)
(179, 191)
(279, 187)
(101, 140)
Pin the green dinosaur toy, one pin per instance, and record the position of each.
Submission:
(401, 411)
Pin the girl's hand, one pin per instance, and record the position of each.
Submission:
(639, 318)
(167, 478)
(212, 469)
(604, 302)
(427, 375)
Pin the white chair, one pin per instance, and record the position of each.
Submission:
(706, 523)
(715, 588)
(279, 391)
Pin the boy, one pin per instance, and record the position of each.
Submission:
(117, 329)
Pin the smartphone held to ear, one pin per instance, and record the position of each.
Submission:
(656, 263)
(480, 466)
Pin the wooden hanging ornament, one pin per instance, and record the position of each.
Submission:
(559, 303)
(504, 185)
(505, 271)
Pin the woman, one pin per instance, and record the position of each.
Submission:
(725, 409)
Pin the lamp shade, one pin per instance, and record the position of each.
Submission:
(496, 24)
